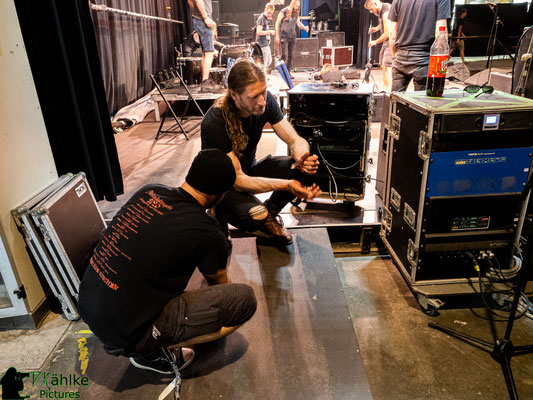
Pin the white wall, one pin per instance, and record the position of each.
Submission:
(26, 163)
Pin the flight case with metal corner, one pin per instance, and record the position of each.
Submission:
(37, 249)
(336, 120)
(456, 169)
(70, 225)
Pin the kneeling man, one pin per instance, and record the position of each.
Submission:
(134, 285)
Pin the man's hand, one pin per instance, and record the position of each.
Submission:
(371, 43)
(210, 23)
(373, 29)
(304, 192)
(308, 163)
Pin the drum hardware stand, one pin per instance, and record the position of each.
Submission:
(165, 77)
(368, 66)
(502, 350)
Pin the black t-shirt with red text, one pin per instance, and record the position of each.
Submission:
(144, 259)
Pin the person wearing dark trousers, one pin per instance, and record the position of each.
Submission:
(235, 124)
(458, 35)
(414, 25)
(136, 278)
(263, 33)
(288, 20)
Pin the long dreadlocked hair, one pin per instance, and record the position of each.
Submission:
(242, 74)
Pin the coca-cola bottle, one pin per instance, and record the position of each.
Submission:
(438, 64)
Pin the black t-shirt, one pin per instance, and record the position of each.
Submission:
(215, 135)
(263, 40)
(416, 22)
(384, 9)
(144, 259)
(459, 22)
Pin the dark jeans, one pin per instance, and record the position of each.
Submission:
(407, 65)
(199, 312)
(287, 52)
(235, 206)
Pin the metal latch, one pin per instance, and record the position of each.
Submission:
(394, 126)
(395, 199)
(412, 253)
(424, 145)
(20, 292)
(409, 215)
(387, 219)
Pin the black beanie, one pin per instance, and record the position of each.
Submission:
(211, 172)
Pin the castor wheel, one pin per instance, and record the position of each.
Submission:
(429, 306)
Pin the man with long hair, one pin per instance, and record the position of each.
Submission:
(234, 124)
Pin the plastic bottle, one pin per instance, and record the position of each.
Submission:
(169, 13)
(438, 64)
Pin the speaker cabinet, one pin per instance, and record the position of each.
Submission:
(330, 39)
(305, 53)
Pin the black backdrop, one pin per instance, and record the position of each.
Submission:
(479, 23)
(60, 43)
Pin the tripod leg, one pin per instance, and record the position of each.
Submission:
(478, 343)
(505, 362)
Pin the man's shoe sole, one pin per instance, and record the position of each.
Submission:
(149, 368)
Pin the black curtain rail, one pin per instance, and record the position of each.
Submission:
(104, 8)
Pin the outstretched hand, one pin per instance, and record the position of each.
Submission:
(308, 163)
(304, 192)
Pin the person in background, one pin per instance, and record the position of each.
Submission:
(192, 43)
(135, 283)
(414, 26)
(288, 20)
(458, 35)
(263, 33)
(234, 124)
(203, 24)
(380, 9)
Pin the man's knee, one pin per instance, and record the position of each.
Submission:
(241, 306)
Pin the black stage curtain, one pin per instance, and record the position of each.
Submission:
(132, 48)
(361, 55)
(61, 47)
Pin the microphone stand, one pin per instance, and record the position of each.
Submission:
(493, 35)
(368, 66)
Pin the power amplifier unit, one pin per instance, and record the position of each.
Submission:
(336, 123)
(456, 168)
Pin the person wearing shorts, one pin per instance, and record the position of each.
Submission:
(204, 25)
(385, 55)
(135, 282)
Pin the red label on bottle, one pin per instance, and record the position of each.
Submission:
(438, 66)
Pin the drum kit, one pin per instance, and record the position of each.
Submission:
(191, 67)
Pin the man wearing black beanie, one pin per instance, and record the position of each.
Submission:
(134, 284)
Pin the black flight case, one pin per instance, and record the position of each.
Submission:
(456, 169)
(336, 121)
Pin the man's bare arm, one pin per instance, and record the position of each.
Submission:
(256, 184)
(392, 36)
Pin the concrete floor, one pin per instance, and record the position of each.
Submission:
(403, 357)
